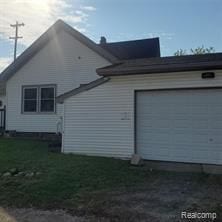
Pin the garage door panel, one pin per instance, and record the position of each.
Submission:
(216, 139)
(175, 154)
(182, 131)
(198, 111)
(161, 123)
(150, 136)
(181, 110)
(162, 151)
(156, 124)
(198, 156)
(215, 124)
(180, 138)
(183, 125)
(199, 124)
(200, 139)
(216, 148)
(216, 110)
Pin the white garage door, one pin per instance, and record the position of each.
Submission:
(180, 125)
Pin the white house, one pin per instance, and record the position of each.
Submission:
(115, 100)
(60, 60)
(164, 109)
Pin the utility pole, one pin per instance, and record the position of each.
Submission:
(16, 26)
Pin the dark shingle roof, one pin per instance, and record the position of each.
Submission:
(164, 64)
(144, 48)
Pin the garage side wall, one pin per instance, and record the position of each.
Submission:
(101, 121)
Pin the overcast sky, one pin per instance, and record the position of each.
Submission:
(179, 23)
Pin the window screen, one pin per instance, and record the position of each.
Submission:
(38, 99)
(30, 99)
(47, 99)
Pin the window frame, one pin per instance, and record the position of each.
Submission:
(38, 111)
(40, 99)
(23, 99)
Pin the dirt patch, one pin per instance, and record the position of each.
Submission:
(34, 215)
(162, 198)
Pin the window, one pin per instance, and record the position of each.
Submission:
(38, 99)
(47, 99)
(30, 99)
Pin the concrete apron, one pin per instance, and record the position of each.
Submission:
(183, 167)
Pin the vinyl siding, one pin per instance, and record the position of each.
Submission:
(101, 121)
(2, 98)
(64, 61)
(2, 88)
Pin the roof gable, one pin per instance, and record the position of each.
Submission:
(44, 39)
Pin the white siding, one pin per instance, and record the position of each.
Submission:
(2, 98)
(101, 121)
(63, 61)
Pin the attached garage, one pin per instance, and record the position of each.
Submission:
(179, 125)
(162, 109)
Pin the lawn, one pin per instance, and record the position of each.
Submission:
(63, 176)
(103, 187)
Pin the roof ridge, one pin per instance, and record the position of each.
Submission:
(127, 41)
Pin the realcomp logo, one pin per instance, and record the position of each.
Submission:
(198, 215)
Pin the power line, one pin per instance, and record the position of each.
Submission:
(16, 26)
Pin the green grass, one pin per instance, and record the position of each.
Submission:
(64, 178)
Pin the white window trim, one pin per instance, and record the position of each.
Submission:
(38, 87)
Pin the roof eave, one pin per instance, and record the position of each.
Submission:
(80, 89)
(140, 71)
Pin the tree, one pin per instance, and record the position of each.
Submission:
(202, 50)
(197, 51)
(180, 52)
